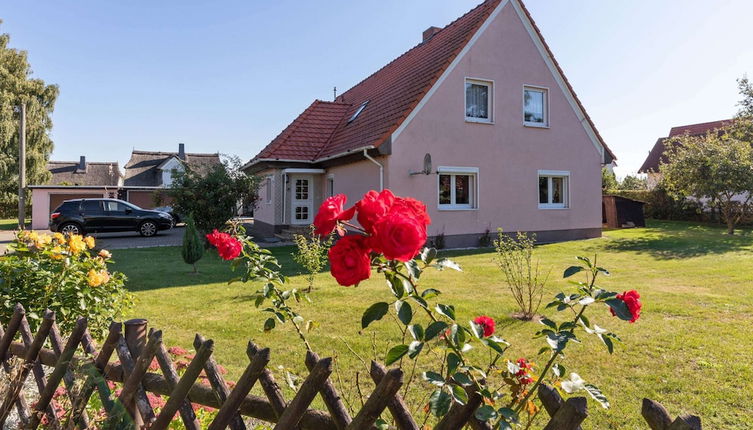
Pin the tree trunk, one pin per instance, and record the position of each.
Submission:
(726, 209)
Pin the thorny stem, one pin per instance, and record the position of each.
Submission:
(557, 353)
(449, 343)
(292, 320)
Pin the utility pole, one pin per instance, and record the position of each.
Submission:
(22, 169)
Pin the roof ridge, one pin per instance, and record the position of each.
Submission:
(422, 43)
(701, 123)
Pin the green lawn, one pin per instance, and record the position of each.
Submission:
(691, 349)
(9, 224)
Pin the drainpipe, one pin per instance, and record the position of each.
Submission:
(381, 168)
(284, 195)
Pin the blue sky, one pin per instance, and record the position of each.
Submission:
(228, 76)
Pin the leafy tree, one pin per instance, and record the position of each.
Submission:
(16, 87)
(631, 182)
(214, 198)
(608, 180)
(311, 254)
(716, 168)
(193, 246)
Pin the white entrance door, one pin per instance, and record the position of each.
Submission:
(302, 193)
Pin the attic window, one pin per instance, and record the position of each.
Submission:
(358, 111)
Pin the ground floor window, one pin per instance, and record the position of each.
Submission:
(458, 188)
(554, 189)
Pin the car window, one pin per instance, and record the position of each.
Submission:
(111, 206)
(91, 206)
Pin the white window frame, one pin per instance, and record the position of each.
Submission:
(490, 102)
(269, 189)
(330, 185)
(474, 195)
(544, 90)
(566, 192)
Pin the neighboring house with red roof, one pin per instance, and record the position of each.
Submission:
(477, 120)
(657, 154)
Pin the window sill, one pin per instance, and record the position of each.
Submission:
(535, 125)
(479, 121)
(546, 207)
(455, 208)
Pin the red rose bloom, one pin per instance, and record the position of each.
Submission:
(487, 323)
(330, 212)
(413, 207)
(372, 207)
(399, 236)
(633, 304)
(227, 246)
(349, 260)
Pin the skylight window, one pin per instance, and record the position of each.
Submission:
(358, 111)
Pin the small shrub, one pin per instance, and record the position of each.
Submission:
(64, 274)
(193, 246)
(311, 254)
(438, 241)
(515, 259)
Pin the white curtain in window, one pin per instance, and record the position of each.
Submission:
(534, 104)
(476, 101)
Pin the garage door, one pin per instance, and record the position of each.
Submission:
(147, 199)
(57, 199)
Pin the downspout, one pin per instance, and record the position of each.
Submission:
(381, 168)
(284, 195)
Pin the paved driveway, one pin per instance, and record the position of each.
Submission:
(126, 239)
(122, 240)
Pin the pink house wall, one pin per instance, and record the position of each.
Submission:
(507, 154)
(356, 179)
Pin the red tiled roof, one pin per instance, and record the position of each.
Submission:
(392, 93)
(698, 129)
(656, 155)
(308, 134)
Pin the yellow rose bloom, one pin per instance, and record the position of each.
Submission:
(96, 279)
(58, 237)
(57, 253)
(76, 244)
(105, 254)
(89, 241)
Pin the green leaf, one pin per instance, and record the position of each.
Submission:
(477, 329)
(439, 403)
(608, 342)
(485, 413)
(462, 379)
(603, 270)
(416, 331)
(396, 285)
(572, 270)
(415, 348)
(443, 263)
(446, 310)
(428, 255)
(434, 329)
(433, 378)
(404, 312)
(620, 309)
(596, 394)
(269, 324)
(494, 345)
(549, 323)
(453, 362)
(396, 353)
(421, 302)
(413, 268)
(459, 394)
(585, 260)
(373, 313)
(430, 293)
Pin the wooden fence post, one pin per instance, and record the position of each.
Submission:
(331, 399)
(305, 395)
(658, 418)
(378, 401)
(134, 331)
(218, 383)
(396, 405)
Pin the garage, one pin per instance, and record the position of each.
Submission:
(45, 198)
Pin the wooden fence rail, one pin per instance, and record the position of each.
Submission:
(87, 372)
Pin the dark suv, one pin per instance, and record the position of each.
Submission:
(105, 215)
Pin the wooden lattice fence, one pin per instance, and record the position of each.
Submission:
(84, 370)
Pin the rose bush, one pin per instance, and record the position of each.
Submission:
(390, 240)
(64, 274)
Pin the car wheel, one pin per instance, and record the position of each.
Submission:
(70, 228)
(148, 229)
